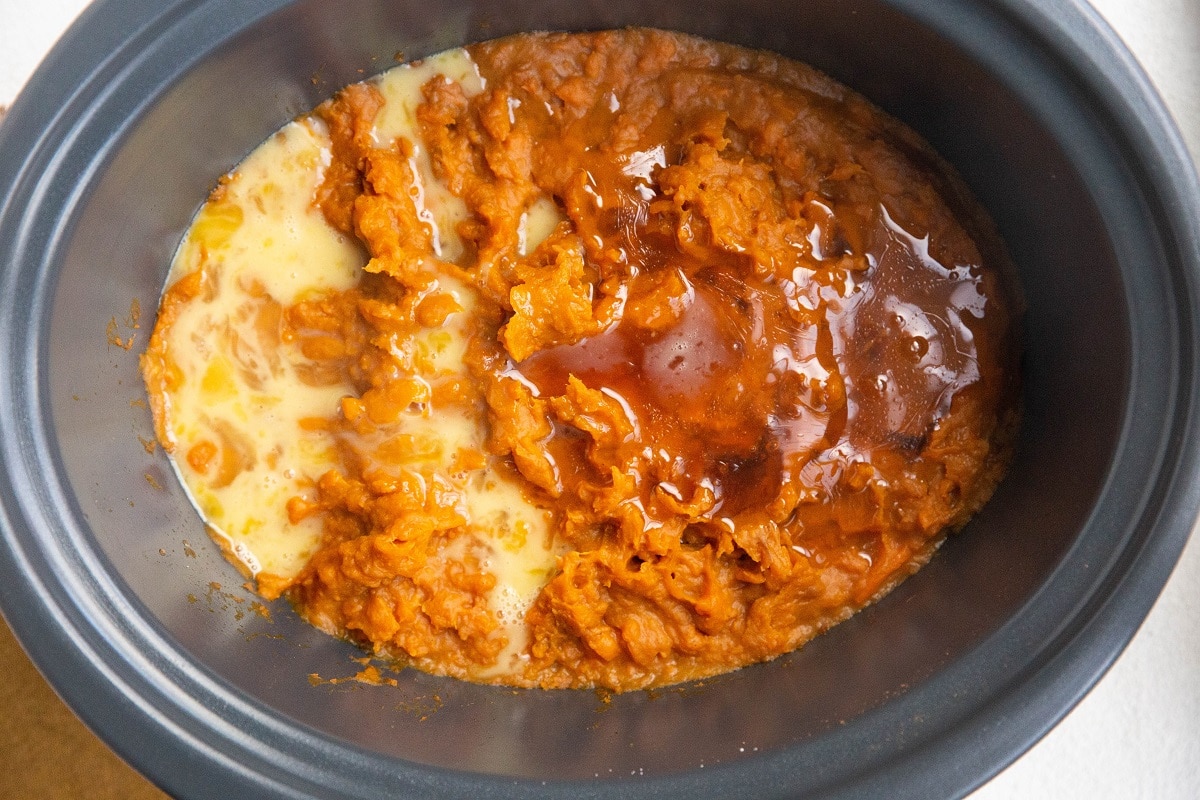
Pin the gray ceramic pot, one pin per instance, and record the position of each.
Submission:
(106, 576)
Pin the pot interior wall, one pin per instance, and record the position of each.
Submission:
(167, 157)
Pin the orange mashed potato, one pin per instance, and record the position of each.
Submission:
(757, 364)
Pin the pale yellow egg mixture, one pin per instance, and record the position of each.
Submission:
(241, 417)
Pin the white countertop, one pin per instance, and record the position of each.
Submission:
(1137, 734)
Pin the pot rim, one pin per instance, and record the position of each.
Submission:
(196, 736)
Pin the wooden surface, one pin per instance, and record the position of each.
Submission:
(45, 751)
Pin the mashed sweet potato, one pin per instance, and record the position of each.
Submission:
(758, 369)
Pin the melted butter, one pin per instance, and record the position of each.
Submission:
(537, 223)
(437, 207)
(521, 554)
(263, 245)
